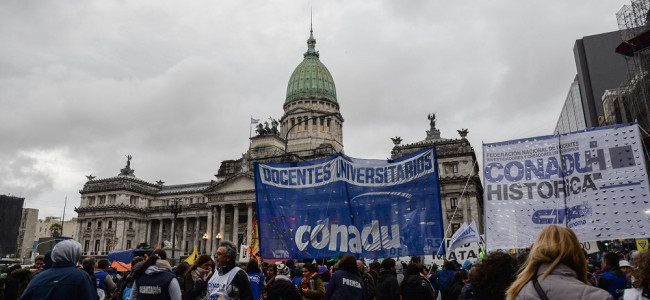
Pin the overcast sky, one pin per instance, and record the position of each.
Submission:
(174, 83)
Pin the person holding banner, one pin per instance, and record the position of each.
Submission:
(556, 268)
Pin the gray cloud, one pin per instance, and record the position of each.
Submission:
(174, 84)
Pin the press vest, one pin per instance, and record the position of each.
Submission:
(348, 286)
(218, 284)
(154, 286)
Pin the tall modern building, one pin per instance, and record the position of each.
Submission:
(124, 211)
(572, 117)
(599, 68)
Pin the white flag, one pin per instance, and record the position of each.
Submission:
(464, 235)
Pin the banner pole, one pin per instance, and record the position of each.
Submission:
(454, 215)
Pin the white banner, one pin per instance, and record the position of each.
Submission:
(465, 235)
(592, 181)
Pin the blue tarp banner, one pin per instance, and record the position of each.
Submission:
(337, 205)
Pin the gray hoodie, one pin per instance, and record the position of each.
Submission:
(66, 251)
(399, 270)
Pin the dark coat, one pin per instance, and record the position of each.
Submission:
(387, 287)
(62, 281)
(417, 288)
(282, 289)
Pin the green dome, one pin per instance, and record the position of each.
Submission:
(311, 78)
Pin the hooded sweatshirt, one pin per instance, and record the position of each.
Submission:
(63, 280)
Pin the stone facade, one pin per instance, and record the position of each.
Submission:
(26, 233)
(461, 190)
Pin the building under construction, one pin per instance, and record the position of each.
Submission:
(629, 102)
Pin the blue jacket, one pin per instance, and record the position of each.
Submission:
(62, 281)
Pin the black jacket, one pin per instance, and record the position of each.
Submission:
(387, 287)
(417, 288)
(282, 289)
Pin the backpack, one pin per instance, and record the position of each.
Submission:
(444, 279)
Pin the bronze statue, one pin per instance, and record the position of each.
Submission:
(128, 161)
(432, 120)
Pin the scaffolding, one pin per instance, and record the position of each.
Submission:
(629, 102)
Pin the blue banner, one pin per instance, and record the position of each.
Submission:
(338, 205)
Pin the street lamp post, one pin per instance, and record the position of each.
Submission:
(218, 237)
(205, 241)
(286, 136)
(176, 209)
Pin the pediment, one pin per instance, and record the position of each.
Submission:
(238, 183)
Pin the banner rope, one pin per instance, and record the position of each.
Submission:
(471, 173)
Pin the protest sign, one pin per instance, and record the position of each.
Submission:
(369, 208)
(592, 181)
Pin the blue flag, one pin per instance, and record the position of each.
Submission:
(339, 204)
(254, 121)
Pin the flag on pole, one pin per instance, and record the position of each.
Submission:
(464, 235)
(642, 245)
(254, 121)
(192, 258)
(254, 247)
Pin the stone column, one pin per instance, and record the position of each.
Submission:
(249, 224)
(184, 241)
(92, 238)
(235, 225)
(208, 230)
(222, 222)
(160, 232)
(172, 232)
(215, 230)
(102, 243)
(196, 235)
(148, 238)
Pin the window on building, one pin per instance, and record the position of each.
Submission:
(227, 219)
(111, 199)
(97, 243)
(322, 124)
(243, 219)
(149, 203)
(107, 248)
(454, 227)
(133, 200)
(110, 224)
(128, 244)
(90, 224)
(102, 200)
(328, 124)
(298, 127)
(91, 201)
(130, 224)
(99, 224)
(453, 202)
(451, 168)
(86, 245)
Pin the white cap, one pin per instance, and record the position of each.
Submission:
(624, 263)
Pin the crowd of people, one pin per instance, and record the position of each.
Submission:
(555, 267)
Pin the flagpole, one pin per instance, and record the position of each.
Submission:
(63, 218)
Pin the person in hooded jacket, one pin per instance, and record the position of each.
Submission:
(63, 280)
(457, 283)
(155, 280)
(280, 286)
(414, 286)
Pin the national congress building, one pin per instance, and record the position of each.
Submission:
(124, 211)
